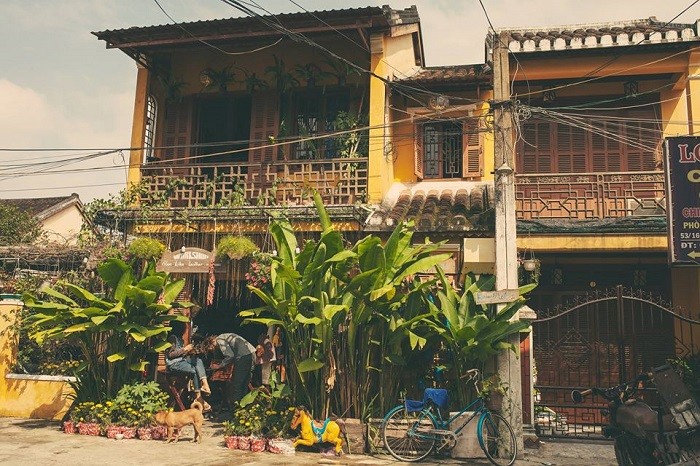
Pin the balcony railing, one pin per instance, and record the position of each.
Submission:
(339, 181)
(584, 196)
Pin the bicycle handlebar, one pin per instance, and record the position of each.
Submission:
(471, 373)
(612, 393)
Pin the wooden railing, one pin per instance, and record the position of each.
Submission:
(589, 195)
(341, 181)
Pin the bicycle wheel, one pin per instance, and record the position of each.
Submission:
(497, 439)
(406, 435)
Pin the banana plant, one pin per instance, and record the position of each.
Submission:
(474, 332)
(114, 332)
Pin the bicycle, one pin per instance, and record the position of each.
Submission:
(411, 430)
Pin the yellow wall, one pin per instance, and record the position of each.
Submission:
(64, 226)
(26, 397)
(380, 167)
(593, 243)
(138, 127)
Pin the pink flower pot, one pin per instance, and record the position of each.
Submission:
(159, 432)
(145, 433)
(112, 431)
(280, 446)
(231, 442)
(129, 432)
(244, 443)
(69, 427)
(257, 444)
(89, 428)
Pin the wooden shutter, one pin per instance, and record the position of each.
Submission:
(418, 150)
(571, 149)
(606, 155)
(471, 149)
(535, 154)
(643, 141)
(177, 131)
(265, 120)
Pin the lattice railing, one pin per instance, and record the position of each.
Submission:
(590, 195)
(339, 181)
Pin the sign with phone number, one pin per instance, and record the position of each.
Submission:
(683, 194)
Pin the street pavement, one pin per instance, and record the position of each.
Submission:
(41, 443)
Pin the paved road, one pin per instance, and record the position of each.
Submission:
(40, 443)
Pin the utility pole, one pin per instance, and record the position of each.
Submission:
(508, 363)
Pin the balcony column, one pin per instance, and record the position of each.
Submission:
(380, 167)
(138, 128)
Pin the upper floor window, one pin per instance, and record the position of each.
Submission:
(150, 129)
(448, 149)
(603, 142)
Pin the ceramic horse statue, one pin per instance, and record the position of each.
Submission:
(313, 431)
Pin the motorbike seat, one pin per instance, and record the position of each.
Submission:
(637, 416)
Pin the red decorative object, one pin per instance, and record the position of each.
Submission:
(112, 431)
(212, 284)
(258, 444)
(145, 433)
(89, 428)
(244, 443)
(159, 432)
(129, 432)
(231, 442)
(69, 427)
(280, 446)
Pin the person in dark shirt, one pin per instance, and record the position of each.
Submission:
(237, 351)
(178, 358)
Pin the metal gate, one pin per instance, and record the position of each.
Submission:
(601, 340)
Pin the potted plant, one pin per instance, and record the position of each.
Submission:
(235, 247)
(493, 391)
(259, 273)
(146, 248)
(138, 402)
(85, 417)
(246, 425)
(311, 73)
(253, 83)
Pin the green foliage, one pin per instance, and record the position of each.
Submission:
(89, 411)
(246, 421)
(689, 369)
(354, 143)
(341, 71)
(284, 80)
(310, 73)
(18, 227)
(115, 332)
(146, 248)
(135, 404)
(275, 404)
(235, 247)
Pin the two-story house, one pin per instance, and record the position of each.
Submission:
(593, 104)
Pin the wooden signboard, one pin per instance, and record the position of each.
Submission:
(495, 297)
(192, 260)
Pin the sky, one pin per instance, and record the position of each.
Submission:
(60, 88)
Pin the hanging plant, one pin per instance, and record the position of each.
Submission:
(284, 80)
(311, 73)
(235, 247)
(146, 248)
(253, 83)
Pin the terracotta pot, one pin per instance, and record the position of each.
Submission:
(145, 433)
(69, 427)
(231, 442)
(258, 444)
(89, 428)
(244, 443)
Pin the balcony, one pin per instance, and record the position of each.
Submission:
(340, 181)
(590, 196)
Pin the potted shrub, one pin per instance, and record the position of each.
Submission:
(235, 247)
(493, 391)
(248, 427)
(233, 430)
(259, 273)
(86, 419)
(146, 248)
(138, 402)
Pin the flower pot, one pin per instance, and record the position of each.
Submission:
(89, 428)
(129, 432)
(144, 433)
(159, 432)
(258, 444)
(69, 427)
(231, 441)
(244, 443)
(495, 401)
(112, 431)
(280, 446)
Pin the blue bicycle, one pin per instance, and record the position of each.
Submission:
(411, 431)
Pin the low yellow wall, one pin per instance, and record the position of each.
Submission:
(26, 396)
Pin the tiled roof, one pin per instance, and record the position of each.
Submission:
(587, 36)
(42, 207)
(437, 207)
(450, 74)
(252, 26)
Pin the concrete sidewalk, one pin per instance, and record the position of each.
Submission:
(41, 443)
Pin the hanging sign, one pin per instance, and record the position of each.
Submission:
(192, 260)
(683, 194)
(496, 297)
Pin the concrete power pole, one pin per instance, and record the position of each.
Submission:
(508, 362)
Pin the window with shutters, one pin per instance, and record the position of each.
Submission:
(150, 128)
(604, 142)
(448, 149)
(315, 114)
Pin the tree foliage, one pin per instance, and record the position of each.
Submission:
(18, 227)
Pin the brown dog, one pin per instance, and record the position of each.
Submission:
(176, 420)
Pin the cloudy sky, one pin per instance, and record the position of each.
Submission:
(61, 89)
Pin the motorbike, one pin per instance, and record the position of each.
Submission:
(647, 437)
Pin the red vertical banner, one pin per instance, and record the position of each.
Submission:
(682, 165)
